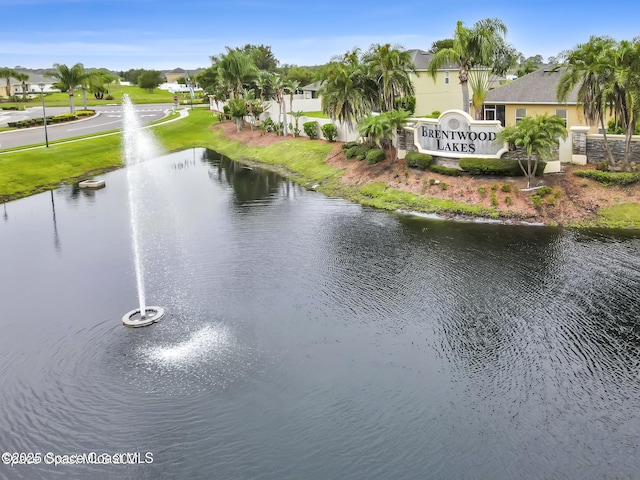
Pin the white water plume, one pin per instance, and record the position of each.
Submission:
(138, 146)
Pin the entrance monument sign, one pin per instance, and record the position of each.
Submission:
(455, 134)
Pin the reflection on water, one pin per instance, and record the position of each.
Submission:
(309, 337)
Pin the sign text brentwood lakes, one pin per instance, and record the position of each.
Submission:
(456, 140)
(456, 135)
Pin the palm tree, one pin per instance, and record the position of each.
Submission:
(625, 87)
(348, 93)
(8, 74)
(474, 47)
(263, 82)
(538, 136)
(292, 87)
(589, 68)
(22, 77)
(99, 83)
(391, 69)
(377, 129)
(69, 79)
(236, 69)
(278, 92)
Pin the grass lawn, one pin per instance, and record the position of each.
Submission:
(625, 215)
(138, 96)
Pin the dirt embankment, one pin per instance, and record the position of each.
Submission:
(573, 199)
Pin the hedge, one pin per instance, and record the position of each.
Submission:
(418, 160)
(452, 172)
(496, 166)
(609, 178)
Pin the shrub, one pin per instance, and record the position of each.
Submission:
(495, 166)
(348, 145)
(375, 155)
(508, 200)
(351, 151)
(418, 160)
(506, 188)
(452, 172)
(405, 103)
(482, 191)
(358, 151)
(544, 191)
(537, 201)
(494, 199)
(361, 152)
(444, 185)
(494, 187)
(329, 131)
(311, 129)
(609, 178)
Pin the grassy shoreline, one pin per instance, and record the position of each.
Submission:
(27, 172)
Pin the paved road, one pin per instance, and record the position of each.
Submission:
(108, 117)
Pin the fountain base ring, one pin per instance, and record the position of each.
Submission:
(135, 319)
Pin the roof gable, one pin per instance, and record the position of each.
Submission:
(536, 87)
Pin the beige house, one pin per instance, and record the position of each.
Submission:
(174, 75)
(531, 95)
(442, 93)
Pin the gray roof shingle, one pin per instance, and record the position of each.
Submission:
(536, 87)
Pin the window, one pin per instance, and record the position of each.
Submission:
(489, 112)
(446, 77)
(562, 113)
(520, 114)
(494, 112)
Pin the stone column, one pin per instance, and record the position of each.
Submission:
(579, 145)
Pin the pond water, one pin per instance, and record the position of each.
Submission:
(307, 337)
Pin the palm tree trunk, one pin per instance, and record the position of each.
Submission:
(607, 147)
(72, 105)
(464, 84)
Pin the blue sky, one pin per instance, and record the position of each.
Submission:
(160, 34)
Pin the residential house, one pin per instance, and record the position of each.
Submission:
(175, 74)
(442, 93)
(531, 95)
(31, 85)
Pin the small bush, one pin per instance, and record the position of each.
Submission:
(494, 199)
(311, 129)
(495, 166)
(351, 152)
(375, 155)
(508, 200)
(452, 172)
(506, 188)
(609, 178)
(444, 185)
(494, 187)
(482, 191)
(544, 191)
(537, 201)
(329, 131)
(348, 145)
(418, 160)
